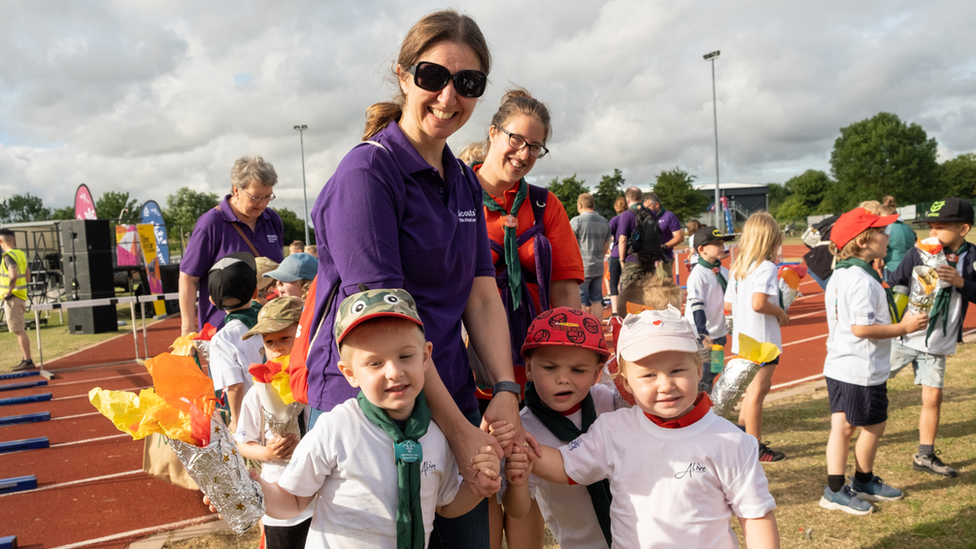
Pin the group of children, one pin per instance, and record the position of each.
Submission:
(665, 472)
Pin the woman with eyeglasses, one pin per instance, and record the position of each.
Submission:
(241, 223)
(402, 212)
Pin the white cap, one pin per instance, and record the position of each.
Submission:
(651, 332)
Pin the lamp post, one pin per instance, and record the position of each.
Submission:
(719, 218)
(301, 136)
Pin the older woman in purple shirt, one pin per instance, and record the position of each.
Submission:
(402, 212)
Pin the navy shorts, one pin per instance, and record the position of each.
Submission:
(862, 405)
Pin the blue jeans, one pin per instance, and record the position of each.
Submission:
(468, 531)
(821, 281)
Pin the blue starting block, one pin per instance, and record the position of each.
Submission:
(25, 399)
(17, 484)
(25, 444)
(24, 385)
(9, 542)
(14, 375)
(25, 418)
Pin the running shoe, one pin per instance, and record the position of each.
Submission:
(875, 490)
(768, 454)
(845, 500)
(932, 464)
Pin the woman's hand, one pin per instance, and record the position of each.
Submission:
(467, 443)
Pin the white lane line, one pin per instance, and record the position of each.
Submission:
(85, 395)
(89, 414)
(142, 532)
(804, 340)
(88, 440)
(73, 483)
(808, 314)
(796, 382)
(100, 379)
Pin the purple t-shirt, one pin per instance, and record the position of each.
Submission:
(615, 246)
(628, 220)
(669, 224)
(386, 219)
(214, 237)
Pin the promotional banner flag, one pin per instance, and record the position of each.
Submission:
(84, 205)
(128, 245)
(151, 213)
(147, 238)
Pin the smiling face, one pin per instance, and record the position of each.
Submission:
(387, 359)
(506, 163)
(279, 344)
(562, 375)
(664, 384)
(437, 115)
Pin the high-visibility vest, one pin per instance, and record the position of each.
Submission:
(20, 284)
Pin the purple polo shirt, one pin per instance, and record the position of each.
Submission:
(628, 220)
(615, 250)
(214, 237)
(669, 224)
(386, 219)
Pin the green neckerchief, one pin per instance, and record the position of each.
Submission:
(717, 269)
(565, 430)
(940, 308)
(248, 316)
(408, 455)
(511, 239)
(856, 262)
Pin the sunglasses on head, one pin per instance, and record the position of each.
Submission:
(433, 77)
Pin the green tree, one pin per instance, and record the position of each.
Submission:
(959, 176)
(567, 191)
(807, 193)
(883, 155)
(677, 195)
(778, 193)
(118, 208)
(607, 193)
(184, 207)
(23, 208)
(294, 226)
(63, 214)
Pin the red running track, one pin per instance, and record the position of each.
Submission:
(122, 500)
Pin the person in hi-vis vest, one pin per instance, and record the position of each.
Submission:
(13, 289)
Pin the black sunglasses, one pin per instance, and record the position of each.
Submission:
(433, 77)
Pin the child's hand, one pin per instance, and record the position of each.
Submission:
(503, 432)
(914, 323)
(486, 462)
(783, 317)
(518, 466)
(706, 342)
(950, 275)
(283, 447)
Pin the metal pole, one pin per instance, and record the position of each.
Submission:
(718, 203)
(301, 135)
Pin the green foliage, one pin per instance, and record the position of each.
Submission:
(607, 192)
(567, 191)
(882, 155)
(778, 193)
(63, 214)
(118, 208)
(808, 192)
(23, 208)
(959, 176)
(186, 206)
(294, 226)
(677, 195)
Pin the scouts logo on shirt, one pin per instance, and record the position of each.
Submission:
(467, 216)
(574, 445)
(272, 238)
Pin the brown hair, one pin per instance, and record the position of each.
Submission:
(473, 154)
(440, 26)
(853, 248)
(692, 227)
(517, 101)
(633, 194)
(620, 205)
(872, 206)
(652, 292)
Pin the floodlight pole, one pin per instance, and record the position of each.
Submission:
(719, 218)
(301, 136)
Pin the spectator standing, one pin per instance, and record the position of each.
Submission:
(901, 238)
(629, 266)
(593, 234)
(13, 289)
(613, 263)
(296, 247)
(671, 234)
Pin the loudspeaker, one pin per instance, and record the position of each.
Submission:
(170, 277)
(85, 236)
(92, 272)
(93, 320)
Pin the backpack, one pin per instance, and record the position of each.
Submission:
(645, 240)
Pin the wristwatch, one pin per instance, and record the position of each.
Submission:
(509, 386)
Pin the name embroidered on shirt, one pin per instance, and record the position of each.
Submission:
(693, 467)
(427, 467)
(467, 216)
(272, 238)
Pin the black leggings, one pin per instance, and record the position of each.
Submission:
(614, 275)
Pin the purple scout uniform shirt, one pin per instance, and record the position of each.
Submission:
(214, 237)
(386, 219)
(669, 224)
(628, 219)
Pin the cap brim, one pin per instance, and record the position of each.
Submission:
(268, 327)
(885, 220)
(283, 276)
(712, 239)
(364, 318)
(655, 345)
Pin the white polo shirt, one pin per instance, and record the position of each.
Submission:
(854, 298)
(764, 279)
(705, 294)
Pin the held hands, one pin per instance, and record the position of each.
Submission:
(914, 323)
(488, 466)
(950, 275)
(282, 447)
(518, 466)
(504, 407)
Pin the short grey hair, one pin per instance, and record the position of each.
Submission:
(248, 169)
(652, 198)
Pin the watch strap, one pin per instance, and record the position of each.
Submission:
(510, 386)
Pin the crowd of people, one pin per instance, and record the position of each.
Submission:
(447, 337)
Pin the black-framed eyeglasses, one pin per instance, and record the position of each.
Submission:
(269, 198)
(433, 77)
(518, 143)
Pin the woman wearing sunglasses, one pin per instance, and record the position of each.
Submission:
(402, 212)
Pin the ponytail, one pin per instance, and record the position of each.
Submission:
(379, 116)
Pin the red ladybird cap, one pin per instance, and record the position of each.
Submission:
(568, 327)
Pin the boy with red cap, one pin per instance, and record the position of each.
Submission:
(859, 320)
(564, 353)
(949, 220)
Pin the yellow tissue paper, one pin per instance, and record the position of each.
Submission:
(753, 351)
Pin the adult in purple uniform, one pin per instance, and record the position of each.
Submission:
(671, 234)
(613, 264)
(402, 212)
(221, 231)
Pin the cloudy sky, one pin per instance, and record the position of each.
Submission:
(150, 96)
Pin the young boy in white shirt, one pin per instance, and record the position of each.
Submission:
(564, 353)
(376, 467)
(677, 471)
(858, 360)
(233, 284)
(705, 307)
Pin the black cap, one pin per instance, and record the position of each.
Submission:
(6, 232)
(233, 277)
(949, 210)
(709, 235)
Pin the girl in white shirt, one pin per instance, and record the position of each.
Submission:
(753, 296)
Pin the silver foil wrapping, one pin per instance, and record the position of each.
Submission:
(788, 294)
(922, 296)
(728, 323)
(735, 378)
(281, 428)
(606, 379)
(219, 471)
(203, 349)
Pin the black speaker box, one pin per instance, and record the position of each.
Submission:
(86, 235)
(170, 277)
(92, 272)
(93, 320)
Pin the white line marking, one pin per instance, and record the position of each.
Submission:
(142, 532)
(805, 340)
(77, 416)
(100, 379)
(73, 483)
(86, 394)
(808, 314)
(795, 382)
(87, 440)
